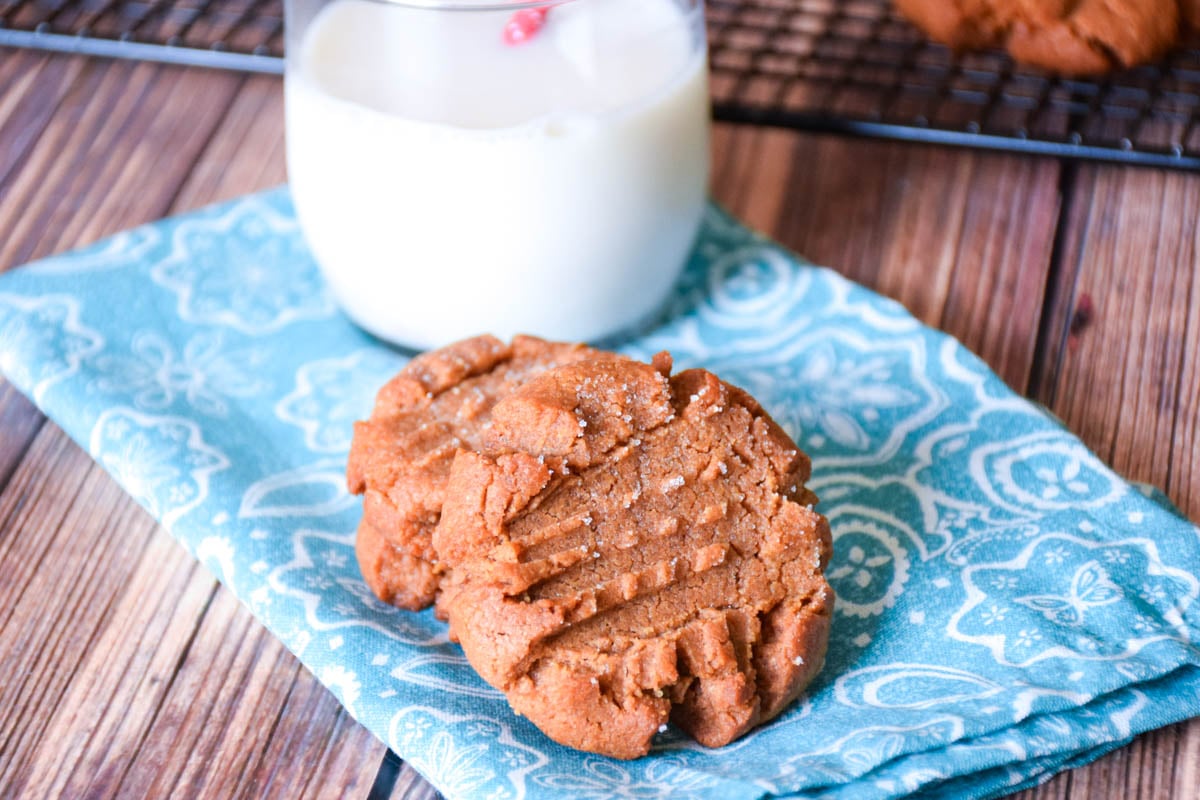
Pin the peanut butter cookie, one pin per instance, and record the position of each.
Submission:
(400, 458)
(1075, 37)
(631, 548)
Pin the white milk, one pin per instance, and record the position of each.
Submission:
(450, 184)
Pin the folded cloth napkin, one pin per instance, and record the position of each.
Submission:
(1007, 606)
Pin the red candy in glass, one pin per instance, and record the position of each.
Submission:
(524, 25)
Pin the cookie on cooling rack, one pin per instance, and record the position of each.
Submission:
(1073, 37)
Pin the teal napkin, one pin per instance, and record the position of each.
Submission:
(1007, 606)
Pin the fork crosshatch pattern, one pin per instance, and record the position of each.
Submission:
(1007, 606)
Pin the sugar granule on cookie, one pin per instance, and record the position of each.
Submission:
(633, 548)
(400, 458)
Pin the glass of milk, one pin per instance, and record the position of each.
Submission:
(503, 167)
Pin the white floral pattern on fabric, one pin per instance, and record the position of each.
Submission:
(334, 597)
(163, 462)
(314, 490)
(204, 373)
(468, 755)
(846, 398)
(243, 266)
(445, 669)
(125, 250)
(331, 394)
(862, 750)
(872, 565)
(42, 340)
(1044, 472)
(1006, 606)
(1073, 618)
(600, 779)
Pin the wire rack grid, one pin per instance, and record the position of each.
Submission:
(847, 66)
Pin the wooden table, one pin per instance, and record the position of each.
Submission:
(126, 669)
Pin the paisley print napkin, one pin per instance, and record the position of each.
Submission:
(1007, 606)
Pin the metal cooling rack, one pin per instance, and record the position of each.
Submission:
(847, 66)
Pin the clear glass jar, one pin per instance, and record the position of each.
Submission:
(503, 167)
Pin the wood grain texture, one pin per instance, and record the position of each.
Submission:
(245, 154)
(68, 539)
(112, 155)
(88, 151)
(163, 685)
(1121, 370)
(411, 786)
(24, 112)
(1160, 765)
(19, 421)
(964, 240)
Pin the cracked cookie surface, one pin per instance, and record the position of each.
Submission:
(400, 458)
(633, 548)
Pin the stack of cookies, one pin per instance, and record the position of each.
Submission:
(1072, 37)
(614, 547)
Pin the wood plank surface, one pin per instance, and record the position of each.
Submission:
(76, 529)
(112, 155)
(964, 240)
(23, 112)
(1122, 370)
(78, 539)
(163, 685)
(1123, 363)
(172, 688)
